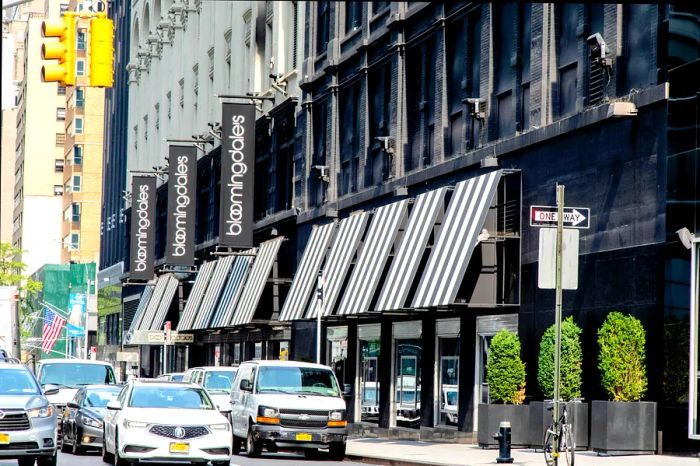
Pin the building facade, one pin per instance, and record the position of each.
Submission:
(402, 166)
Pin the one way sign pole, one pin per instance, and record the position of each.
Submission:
(557, 316)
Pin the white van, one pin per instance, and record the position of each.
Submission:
(289, 405)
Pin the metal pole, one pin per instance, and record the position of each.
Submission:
(16, 333)
(557, 314)
(319, 312)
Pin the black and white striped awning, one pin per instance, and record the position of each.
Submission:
(211, 296)
(305, 277)
(165, 301)
(350, 231)
(196, 296)
(254, 286)
(141, 309)
(456, 240)
(154, 302)
(426, 211)
(232, 291)
(372, 258)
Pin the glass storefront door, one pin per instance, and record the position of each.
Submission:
(369, 380)
(408, 382)
(449, 381)
(337, 348)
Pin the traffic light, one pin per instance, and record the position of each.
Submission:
(64, 50)
(101, 51)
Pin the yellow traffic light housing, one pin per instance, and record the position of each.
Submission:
(101, 51)
(63, 51)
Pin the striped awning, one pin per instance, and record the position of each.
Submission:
(456, 241)
(165, 301)
(196, 295)
(232, 291)
(141, 309)
(152, 308)
(350, 231)
(305, 277)
(253, 289)
(211, 296)
(372, 257)
(426, 210)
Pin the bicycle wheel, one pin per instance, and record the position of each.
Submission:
(567, 447)
(548, 447)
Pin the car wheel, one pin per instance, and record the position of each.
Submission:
(252, 447)
(25, 461)
(47, 460)
(236, 446)
(76, 450)
(64, 446)
(107, 457)
(336, 451)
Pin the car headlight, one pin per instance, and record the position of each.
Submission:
(135, 424)
(222, 426)
(45, 411)
(267, 415)
(88, 421)
(336, 415)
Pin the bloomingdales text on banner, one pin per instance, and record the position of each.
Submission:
(143, 210)
(237, 175)
(182, 198)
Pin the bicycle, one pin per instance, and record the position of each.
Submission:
(562, 433)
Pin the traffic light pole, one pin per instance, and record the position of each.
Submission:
(557, 320)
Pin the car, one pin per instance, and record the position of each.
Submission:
(81, 424)
(216, 380)
(174, 376)
(448, 403)
(27, 419)
(290, 405)
(69, 375)
(165, 421)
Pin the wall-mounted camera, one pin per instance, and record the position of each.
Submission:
(322, 172)
(477, 107)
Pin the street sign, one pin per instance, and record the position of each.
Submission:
(546, 216)
(546, 270)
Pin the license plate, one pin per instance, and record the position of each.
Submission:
(4, 439)
(304, 437)
(179, 448)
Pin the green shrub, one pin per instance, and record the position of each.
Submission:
(570, 361)
(622, 340)
(505, 371)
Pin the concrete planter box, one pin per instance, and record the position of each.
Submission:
(491, 415)
(540, 419)
(623, 428)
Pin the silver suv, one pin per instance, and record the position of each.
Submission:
(27, 419)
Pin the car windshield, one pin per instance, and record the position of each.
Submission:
(74, 375)
(160, 396)
(219, 381)
(17, 382)
(297, 380)
(99, 397)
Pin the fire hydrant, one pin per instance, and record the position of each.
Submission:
(503, 437)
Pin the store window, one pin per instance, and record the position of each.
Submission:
(338, 352)
(257, 354)
(407, 373)
(449, 381)
(369, 348)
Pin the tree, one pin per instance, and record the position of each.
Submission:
(570, 362)
(11, 274)
(505, 371)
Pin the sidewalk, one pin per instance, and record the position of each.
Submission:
(400, 453)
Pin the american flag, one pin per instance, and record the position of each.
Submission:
(53, 324)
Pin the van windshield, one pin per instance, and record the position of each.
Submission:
(297, 380)
(219, 381)
(74, 375)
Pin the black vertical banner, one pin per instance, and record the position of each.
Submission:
(237, 175)
(182, 198)
(143, 227)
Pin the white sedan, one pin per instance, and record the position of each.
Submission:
(167, 422)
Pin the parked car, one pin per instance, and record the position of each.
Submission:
(27, 419)
(81, 424)
(448, 403)
(287, 404)
(165, 421)
(69, 375)
(217, 380)
(172, 376)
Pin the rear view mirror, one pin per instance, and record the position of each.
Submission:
(347, 389)
(246, 385)
(114, 405)
(72, 404)
(50, 389)
(225, 407)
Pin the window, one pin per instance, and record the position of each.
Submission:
(79, 97)
(210, 54)
(156, 111)
(57, 190)
(504, 89)
(78, 125)
(420, 90)
(81, 39)
(136, 137)
(317, 185)
(145, 127)
(60, 139)
(75, 187)
(169, 103)
(58, 165)
(567, 58)
(75, 212)
(80, 68)
(353, 16)
(74, 241)
(227, 57)
(379, 164)
(378, 7)
(350, 98)
(525, 44)
(456, 60)
(77, 155)
(181, 84)
(323, 17)
(195, 84)
(60, 114)
(61, 90)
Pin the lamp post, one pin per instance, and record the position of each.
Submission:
(319, 312)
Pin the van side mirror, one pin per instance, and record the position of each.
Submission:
(114, 405)
(246, 385)
(72, 404)
(50, 389)
(225, 407)
(347, 389)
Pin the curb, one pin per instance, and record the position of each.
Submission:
(378, 460)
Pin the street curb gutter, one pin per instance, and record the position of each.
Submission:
(378, 460)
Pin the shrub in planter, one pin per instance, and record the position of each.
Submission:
(570, 362)
(505, 374)
(621, 361)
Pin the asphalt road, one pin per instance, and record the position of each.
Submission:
(280, 459)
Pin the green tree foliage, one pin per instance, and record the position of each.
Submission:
(570, 362)
(505, 371)
(622, 340)
(11, 274)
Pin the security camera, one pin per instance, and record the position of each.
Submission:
(387, 143)
(322, 172)
(477, 107)
(686, 237)
(597, 44)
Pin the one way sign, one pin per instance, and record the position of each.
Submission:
(546, 216)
